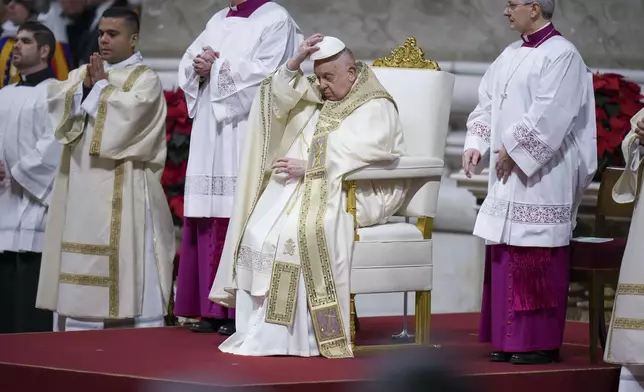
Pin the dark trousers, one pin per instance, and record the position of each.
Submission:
(19, 274)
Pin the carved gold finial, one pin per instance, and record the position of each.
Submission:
(408, 55)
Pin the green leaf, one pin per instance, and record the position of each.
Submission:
(601, 99)
(612, 109)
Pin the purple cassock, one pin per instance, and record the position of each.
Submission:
(525, 289)
(203, 242)
(525, 297)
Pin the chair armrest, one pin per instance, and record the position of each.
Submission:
(403, 167)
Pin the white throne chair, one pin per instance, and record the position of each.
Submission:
(397, 256)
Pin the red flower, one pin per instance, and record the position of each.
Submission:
(176, 206)
(174, 174)
(617, 100)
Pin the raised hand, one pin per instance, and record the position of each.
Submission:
(471, 157)
(295, 168)
(639, 131)
(307, 47)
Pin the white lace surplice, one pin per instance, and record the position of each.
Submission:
(250, 49)
(547, 125)
(30, 154)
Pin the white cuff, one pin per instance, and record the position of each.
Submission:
(91, 102)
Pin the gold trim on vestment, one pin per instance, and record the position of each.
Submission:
(315, 262)
(85, 249)
(111, 250)
(630, 289)
(283, 312)
(99, 125)
(266, 114)
(628, 323)
(69, 101)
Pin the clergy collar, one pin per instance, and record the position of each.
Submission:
(35, 78)
(540, 36)
(131, 61)
(245, 9)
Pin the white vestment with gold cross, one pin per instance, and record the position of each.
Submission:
(288, 251)
(109, 243)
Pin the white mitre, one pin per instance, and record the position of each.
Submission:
(329, 47)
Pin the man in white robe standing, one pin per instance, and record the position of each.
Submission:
(219, 74)
(29, 155)
(535, 121)
(625, 343)
(109, 243)
(287, 257)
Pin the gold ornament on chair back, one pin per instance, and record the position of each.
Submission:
(408, 55)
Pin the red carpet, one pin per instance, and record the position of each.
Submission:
(175, 359)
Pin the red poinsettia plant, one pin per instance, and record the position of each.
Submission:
(178, 128)
(616, 101)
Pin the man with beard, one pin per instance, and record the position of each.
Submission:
(29, 155)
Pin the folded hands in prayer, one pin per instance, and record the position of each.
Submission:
(95, 71)
(203, 62)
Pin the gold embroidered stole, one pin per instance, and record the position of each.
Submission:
(314, 260)
(112, 249)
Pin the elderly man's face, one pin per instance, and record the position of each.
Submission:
(336, 77)
(521, 14)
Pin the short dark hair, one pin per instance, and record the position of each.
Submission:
(130, 17)
(42, 35)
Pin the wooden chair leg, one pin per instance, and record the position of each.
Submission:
(595, 308)
(423, 317)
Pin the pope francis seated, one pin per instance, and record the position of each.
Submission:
(286, 263)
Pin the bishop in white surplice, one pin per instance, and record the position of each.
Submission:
(535, 122)
(288, 250)
(625, 343)
(109, 243)
(220, 74)
(29, 155)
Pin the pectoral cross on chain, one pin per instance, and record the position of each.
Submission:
(504, 96)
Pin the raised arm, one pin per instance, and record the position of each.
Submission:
(534, 140)
(129, 122)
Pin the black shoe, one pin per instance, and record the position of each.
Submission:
(535, 357)
(500, 356)
(228, 328)
(207, 325)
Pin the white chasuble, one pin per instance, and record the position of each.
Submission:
(538, 103)
(625, 343)
(96, 258)
(250, 50)
(30, 155)
(289, 245)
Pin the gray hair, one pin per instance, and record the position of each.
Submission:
(547, 7)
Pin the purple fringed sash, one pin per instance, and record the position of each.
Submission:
(531, 286)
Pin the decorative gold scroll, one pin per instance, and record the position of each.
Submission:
(408, 55)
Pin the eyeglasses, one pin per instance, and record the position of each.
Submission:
(513, 6)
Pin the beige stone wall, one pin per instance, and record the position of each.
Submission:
(607, 32)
